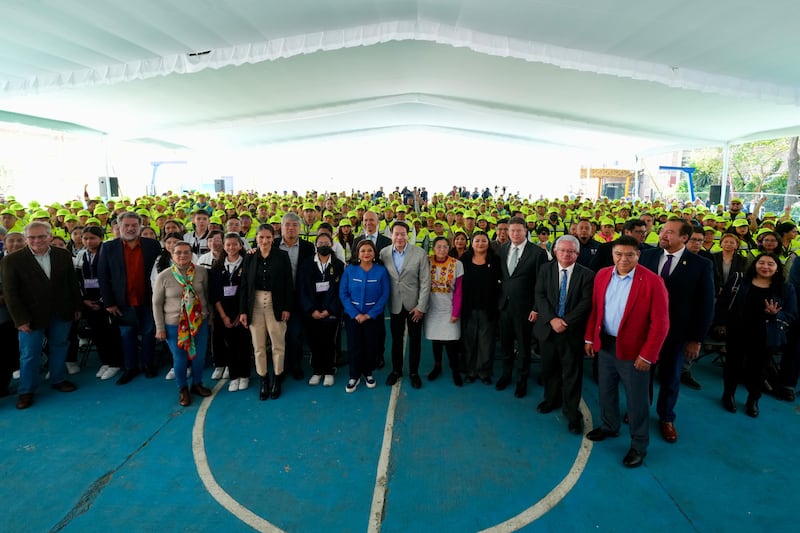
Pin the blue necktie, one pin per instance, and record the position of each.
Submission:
(562, 294)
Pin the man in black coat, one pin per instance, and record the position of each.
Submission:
(689, 279)
(520, 261)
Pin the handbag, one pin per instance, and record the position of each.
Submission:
(776, 334)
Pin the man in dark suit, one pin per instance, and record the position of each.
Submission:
(520, 261)
(563, 300)
(626, 328)
(124, 271)
(371, 232)
(689, 279)
(299, 250)
(42, 296)
(585, 233)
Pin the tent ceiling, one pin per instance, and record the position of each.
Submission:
(579, 73)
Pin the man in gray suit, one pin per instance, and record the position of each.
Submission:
(563, 300)
(410, 274)
(520, 261)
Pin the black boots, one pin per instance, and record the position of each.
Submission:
(263, 392)
(275, 391)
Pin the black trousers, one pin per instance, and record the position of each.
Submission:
(9, 359)
(453, 353)
(562, 372)
(232, 348)
(322, 335)
(363, 345)
(106, 336)
(398, 323)
(515, 330)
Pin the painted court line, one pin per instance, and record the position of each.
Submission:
(382, 478)
(218, 493)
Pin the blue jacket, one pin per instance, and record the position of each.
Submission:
(364, 292)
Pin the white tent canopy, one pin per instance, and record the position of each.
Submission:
(245, 73)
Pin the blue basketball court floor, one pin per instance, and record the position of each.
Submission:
(393, 459)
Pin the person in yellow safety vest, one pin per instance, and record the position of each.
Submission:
(741, 227)
(9, 220)
(555, 225)
(469, 222)
(310, 225)
(401, 217)
(606, 233)
(789, 235)
(248, 232)
(421, 236)
(710, 243)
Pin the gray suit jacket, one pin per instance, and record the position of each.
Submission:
(412, 287)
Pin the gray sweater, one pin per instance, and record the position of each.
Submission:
(167, 295)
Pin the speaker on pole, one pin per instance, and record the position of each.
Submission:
(113, 187)
(219, 185)
(102, 184)
(714, 193)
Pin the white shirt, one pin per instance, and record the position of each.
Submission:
(44, 262)
(676, 257)
(569, 269)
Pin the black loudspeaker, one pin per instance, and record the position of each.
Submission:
(714, 194)
(113, 187)
(219, 185)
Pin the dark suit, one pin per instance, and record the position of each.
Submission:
(134, 321)
(691, 310)
(562, 353)
(739, 263)
(294, 326)
(516, 303)
(47, 305)
(383, 242)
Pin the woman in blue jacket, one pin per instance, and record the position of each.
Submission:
(364, 291)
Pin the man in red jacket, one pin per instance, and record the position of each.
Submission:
(627, 326)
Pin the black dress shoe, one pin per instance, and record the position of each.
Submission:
(416, 381)
(545, 408)
(575, 427)
(392, 378)
(25, 400)
(200, 390)
(634, 458)
(435, 373)
(601, 434)
(688, 380)
(751, 407)
(729, 403)
(275, 391)
(64, 386)
(263, 391)
(503, 382)
(457, 378)
(127, 376)
(380, 363)
(522, 389)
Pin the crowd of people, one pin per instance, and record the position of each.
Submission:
(248, 279)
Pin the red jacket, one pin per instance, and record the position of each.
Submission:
(645, 322)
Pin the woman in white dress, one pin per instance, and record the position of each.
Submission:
(441, 322)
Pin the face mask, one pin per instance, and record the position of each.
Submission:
(324, 250)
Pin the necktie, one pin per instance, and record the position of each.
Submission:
(562, 293)
(667, 266)
(514, 260)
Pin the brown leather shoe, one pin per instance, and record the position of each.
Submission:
(200, 390)
(65, 386)
(25, 400)
(669, 432)
(184, 398)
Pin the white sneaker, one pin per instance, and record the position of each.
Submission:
(233, 386)
(101, 371)
(217, 373)
(189, 372)
(226, 374)
(315, 379)
(328, 382)
(15, 375)
(47, 376)
(370, 381)
(244, 383)
(82, 342)
(73, 368)
(110, 372)
(352, 385)
(170, 374)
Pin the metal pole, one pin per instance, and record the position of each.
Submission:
(726, 158)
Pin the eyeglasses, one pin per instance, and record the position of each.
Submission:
(35, 237)
(567, 252)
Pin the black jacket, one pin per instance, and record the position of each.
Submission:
(310, 298)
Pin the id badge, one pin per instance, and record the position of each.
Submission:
(91, 283)
(229, 290)
(323, 286)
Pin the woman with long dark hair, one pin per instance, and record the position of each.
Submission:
(747, 309)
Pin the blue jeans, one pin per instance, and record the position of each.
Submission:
(30, 354)
(180, 358)
(137, 321)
